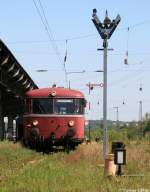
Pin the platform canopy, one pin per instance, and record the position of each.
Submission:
(14, 82)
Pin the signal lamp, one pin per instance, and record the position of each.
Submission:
(120, 157)
(91, 87)
(118, 148)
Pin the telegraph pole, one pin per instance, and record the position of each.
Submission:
(105, 30)
(140, 114)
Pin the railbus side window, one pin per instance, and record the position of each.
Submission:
(79, 108)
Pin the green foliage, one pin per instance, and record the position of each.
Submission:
(118, 135)
(25, 170)
(146, 128)
(124, 133)
(146, 124)
(94, 133)
(127, 131)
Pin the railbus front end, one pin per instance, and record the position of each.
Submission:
(54, 117)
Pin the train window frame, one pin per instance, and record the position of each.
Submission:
(81, 107)
(28, 106)
(78, 106)
(61, 106)
(43, 111)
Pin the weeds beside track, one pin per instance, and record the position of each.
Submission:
(25, 170)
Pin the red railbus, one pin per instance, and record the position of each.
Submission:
(54, 117)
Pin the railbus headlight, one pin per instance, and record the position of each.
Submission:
(71, 123)
(35, 123)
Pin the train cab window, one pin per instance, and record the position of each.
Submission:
(64, 106)
(68, 106)
(42, 106)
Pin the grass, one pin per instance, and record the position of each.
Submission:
(25, 170)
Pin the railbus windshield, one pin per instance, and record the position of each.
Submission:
(42, 106)
(61, 106)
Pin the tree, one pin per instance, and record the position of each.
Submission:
(146, 123)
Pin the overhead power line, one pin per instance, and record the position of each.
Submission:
(135, 25)
(56, 40)
(49, 32)
(75, 37)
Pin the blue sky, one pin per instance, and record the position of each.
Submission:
(23, 32)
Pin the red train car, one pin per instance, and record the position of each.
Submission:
(54, 117)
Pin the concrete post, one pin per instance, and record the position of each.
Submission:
(105, 142)
(10, 126)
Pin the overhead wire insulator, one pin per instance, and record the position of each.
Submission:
(107, 20)
(91, 87)
(127, 52)
(140, 88)
(126, 61)
(65, 60)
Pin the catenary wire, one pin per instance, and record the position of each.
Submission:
(75, 37)
(53, 42)
(48, 31)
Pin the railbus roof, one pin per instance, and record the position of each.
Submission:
(54, 92)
